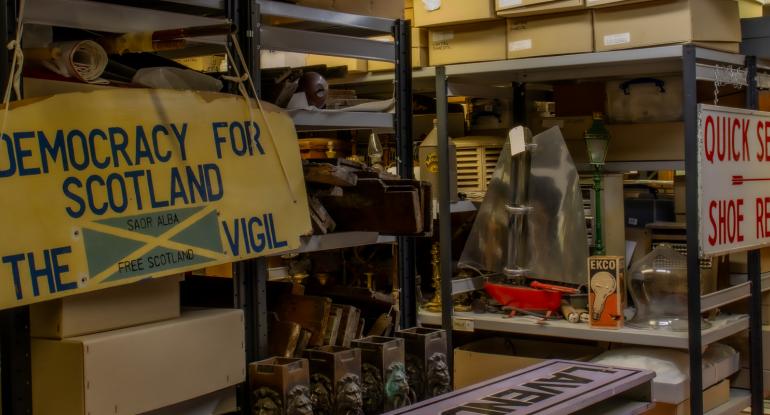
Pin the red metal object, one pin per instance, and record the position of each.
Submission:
(551, 287)
(524, 298)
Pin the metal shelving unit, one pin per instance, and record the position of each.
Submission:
(329, 33)
(333, 33)
(693, 64)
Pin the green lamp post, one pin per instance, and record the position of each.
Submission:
(597, 140)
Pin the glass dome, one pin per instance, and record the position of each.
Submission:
(658, 286)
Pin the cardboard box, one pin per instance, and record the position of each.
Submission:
(409, 14)
(542, 8)
(486, 359)
(739, 262)
(580, 99)
(713, 23)
(633, 142)
(221, 402)
(712, 397)
(139, 369)
(362, 7)
(556, 34)
(742, 380)
(609, 3)
(353, 65)
(114, 308)
(419, 51)
(389, 9)
(606, 291)
(476, 42)
(749, 8)
(448, 12)
(320, 4)
(419, 60)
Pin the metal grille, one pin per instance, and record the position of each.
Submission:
(705, 263)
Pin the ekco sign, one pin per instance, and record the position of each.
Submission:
(734, 179)
(109, 187)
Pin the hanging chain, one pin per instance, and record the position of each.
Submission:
(728, 75)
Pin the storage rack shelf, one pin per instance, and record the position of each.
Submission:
(340, 240)
(343, 34)
(310, 120)
(693, 64)
(722, 327)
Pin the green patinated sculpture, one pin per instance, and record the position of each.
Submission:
(397, 391)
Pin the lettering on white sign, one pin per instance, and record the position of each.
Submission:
(734, 179)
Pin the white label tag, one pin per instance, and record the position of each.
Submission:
(508, 3)
(516, 138)
(431, 5)
(592, 1)
(520, 45)
(463, 324)
(617, 39)
(442, 36)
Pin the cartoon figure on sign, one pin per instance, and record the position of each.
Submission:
(267, 402)
(397, 389)
(321, 394)
(372, 386)
(349, 397)
(299, 401)
(439, 381)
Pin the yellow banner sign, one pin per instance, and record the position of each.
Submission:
(104, 188)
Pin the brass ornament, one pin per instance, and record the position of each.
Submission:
(434, 304)
(431, 162)
(330, 152)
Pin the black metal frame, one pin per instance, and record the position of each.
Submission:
(755, 268)
(407, 264)
(15, 342)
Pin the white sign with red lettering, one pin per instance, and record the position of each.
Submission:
(734, 179)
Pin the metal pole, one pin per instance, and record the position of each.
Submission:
(15, 342)
(690, 107)
(755, 265)
(250, 276)
(15, 362)
(599, 233)
(445, 218)
(407, 268)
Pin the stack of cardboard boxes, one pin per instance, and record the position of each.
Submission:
(487, 30)
(131, 350)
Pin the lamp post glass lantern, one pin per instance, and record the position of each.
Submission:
(597, 140)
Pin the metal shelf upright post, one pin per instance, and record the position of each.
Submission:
(15, 363)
